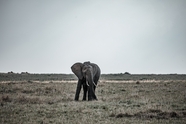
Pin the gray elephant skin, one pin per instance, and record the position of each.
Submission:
(88, 75)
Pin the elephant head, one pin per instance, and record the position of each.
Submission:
(88, 75)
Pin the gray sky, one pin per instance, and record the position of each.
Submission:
(136, 36)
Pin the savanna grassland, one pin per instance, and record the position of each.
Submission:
(122, 99)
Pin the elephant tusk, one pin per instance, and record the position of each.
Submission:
(94, 84)
(87, 83)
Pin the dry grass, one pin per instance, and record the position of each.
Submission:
(122, 102)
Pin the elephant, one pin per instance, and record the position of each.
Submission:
(88, 75)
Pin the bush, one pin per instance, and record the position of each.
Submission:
(127, 73)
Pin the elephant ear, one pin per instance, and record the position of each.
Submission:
(77, 70)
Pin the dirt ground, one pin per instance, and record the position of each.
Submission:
(43, 102)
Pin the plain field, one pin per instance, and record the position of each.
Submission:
(119, 101)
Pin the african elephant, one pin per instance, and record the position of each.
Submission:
(88, 75)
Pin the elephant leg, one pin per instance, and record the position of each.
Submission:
(91, 93)
(94, 95)
(85, 92)
(78, 89)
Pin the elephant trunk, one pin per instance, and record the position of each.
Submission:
(89, 79)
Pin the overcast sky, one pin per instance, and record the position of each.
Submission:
(136, 36)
